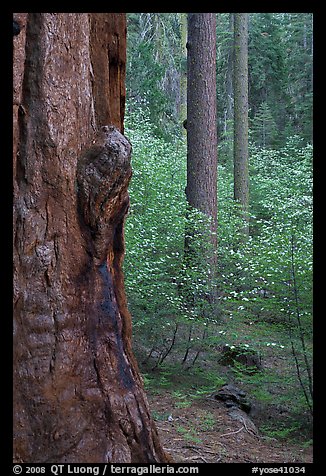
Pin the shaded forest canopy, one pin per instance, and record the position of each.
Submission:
(280, 73)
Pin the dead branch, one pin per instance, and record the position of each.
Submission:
(232, 432)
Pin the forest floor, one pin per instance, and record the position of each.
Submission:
(196, 427)
(202, 431)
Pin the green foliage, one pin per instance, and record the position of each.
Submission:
(160, 282)
(154, 64)
(264, 284)
(208, 422)
(261, 304)
(267, 59)
(282, 431)
(258, 281)
(264, 131)
(189, 434)
(297, 40)
(154, 238)
(280, 73)
(270, 278)
(182, 400)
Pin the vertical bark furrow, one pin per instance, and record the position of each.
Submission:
(201, 116)
(241, 164)
(108, 59)
(73, 364)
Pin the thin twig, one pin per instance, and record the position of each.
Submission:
(196, 448)
(198, 457)
(232, 432)
(192, 458)
(163, 357)
(173, 450)
(301, 333)
(198, 451)
(162, 428)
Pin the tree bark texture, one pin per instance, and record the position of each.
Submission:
(183, 74)
(201, 190)
(241, 166)
(228, 127)
(78, 394)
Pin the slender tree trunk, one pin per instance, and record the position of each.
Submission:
(241, 171)
(158, 35)
(183, 75)
(78, 394)
(312, 59)
(229, 92)
(201, 190)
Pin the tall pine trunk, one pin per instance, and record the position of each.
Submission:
(78, 394)
(228, 126)
(183, 74)
(241, 166)
(201, 190)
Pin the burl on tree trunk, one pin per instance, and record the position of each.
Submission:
(78, 394)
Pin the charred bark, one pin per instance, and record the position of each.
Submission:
(78, 394)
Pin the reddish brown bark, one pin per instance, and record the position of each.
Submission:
(108, 42)
(78, 394)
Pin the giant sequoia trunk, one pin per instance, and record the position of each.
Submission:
(78, 394)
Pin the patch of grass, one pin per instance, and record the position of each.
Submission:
(210, 381)
(182, 400)
(160, 416)
(262, 395)
(208, 422)
(148, 380)
(192, 383)
(190, 434)
(156, 380)
(307, 444)
(282, 432)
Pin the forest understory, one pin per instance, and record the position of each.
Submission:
(256, 336)
(195, 426)
(204, 432)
